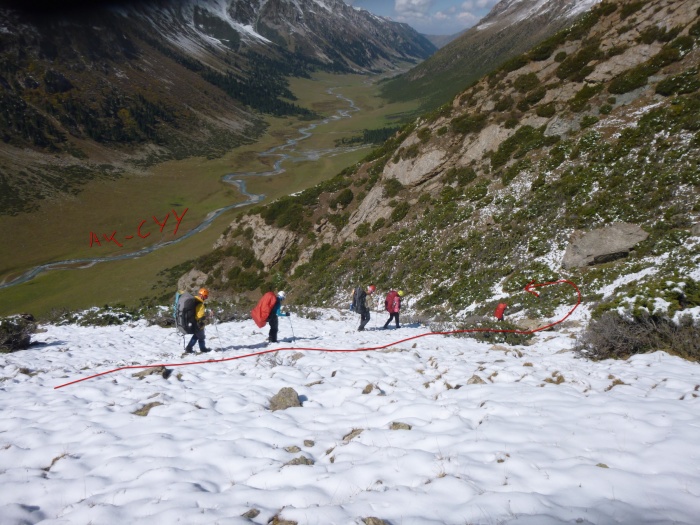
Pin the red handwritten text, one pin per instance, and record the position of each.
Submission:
(141, 230)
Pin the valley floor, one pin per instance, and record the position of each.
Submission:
(545, 437)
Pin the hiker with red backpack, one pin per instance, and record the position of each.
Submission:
(268, 309)
(359, 304)
(392, 303)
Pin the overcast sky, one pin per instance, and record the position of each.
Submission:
(430, 17)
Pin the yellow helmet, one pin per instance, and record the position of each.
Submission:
(400, 293)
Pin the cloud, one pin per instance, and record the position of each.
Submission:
(413, 8)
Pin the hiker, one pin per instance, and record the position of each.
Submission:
(359, 302)
(200, 315)
(392, 303)
(267, 311)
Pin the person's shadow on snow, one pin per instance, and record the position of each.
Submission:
(268, 345)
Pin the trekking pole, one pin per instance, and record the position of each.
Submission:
(216, 326)
(294, 339)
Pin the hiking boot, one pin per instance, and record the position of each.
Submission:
(204, 350)
(188, 350)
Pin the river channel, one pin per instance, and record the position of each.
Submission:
(284, 152)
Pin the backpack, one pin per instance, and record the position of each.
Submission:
(392, 302)
(262, 310)
(184, 312)
(357, 302)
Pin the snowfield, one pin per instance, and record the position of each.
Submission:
(435, 430)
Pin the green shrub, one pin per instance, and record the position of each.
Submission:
(343, 199)
(469, 123)
(463, 175)
(588, 120)
(631, 8)
(477, 191)
(400, 211)
(578, 102)
(546, 110)
(573, 65)
(686, 82)
(363, 230)
(504, 103)
(392, 187)
(490, 330)
(514, 64)
(378, 224)
(424, 135)
(526, 82)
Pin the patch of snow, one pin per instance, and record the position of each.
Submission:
(548, 437)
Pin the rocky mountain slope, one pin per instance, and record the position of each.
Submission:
(579, 159)
(512, 27)
(98, 89)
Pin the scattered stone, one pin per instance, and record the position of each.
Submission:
(252, 513)
(309, 443)
(301, 460)
(156, 370)
(374, 521)
(286, 398)
(354, 433)
(695, 230)
(475, 380)
(144, 410)
(368, 389)
(276, 520)
(396, 425)
(293, 449)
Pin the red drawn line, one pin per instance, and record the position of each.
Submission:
(528, 288)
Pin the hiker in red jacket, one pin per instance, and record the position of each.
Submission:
(392, 304)
(267, 310)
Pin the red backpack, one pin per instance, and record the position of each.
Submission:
(392, 302)
(262, 310)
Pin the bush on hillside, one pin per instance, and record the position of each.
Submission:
(619, 336)
(16, 332)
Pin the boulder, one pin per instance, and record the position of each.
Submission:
(286, 398)
(695, 230)
(602, 245)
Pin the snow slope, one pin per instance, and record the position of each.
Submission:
(548, 438)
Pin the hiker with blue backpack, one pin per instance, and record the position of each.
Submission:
(359, 304)
(191, 317)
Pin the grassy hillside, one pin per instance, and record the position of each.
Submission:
(596, 125)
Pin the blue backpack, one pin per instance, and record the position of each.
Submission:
(184, 312)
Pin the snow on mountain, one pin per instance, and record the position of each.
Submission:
(432, 430)
(511, 12)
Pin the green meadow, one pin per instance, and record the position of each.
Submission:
(69, 227)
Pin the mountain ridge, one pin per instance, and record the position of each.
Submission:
(509, 29)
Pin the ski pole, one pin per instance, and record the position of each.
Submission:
(216, 326)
